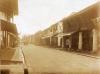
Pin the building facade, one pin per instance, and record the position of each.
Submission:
(78, 32)
(83, 28)
(8, 30)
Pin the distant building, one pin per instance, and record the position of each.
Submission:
(46, 35)
(36, 39)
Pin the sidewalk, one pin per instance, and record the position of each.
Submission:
(10, 55)
(88, 54)
(11, 61)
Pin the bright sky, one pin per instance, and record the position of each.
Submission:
(35, 15)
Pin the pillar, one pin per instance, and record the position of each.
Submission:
(80, 41)
(95, 40)
(70, 42)
(50, 41)
(7, 39)
(4, 34)
(3, 41)
(0, 35)
(62, 42)
(59, 41)
(0, 38)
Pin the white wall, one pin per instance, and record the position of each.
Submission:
(3, 16)
(60, 27)
(59, 41)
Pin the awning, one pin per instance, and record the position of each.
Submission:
(7, 26)
(46, 37)
(14, 36)
(65, 34)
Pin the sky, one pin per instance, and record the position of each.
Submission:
(35, 15)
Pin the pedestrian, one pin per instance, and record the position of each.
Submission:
(68, 44)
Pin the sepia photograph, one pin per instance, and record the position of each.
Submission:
(49, 37)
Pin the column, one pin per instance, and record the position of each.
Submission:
(80, 41)
(50, 40)
(3, 41)
(4, 38)
(95, 41)
(0, 39)
(7, 39)
(62, 42)
(0, 35)
(59, 43)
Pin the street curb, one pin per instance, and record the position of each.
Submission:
(83, 54)
(87, 55)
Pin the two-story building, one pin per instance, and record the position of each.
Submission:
(8, 30)
(53, 38)
(83, 28)
(36, 39)
(46, 37)
(49, 36)
(79, 31)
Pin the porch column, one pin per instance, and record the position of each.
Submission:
(2, 43)
(59, 41)
(51, 41)
(95, 40)
(0, 38)
(7, 40)
(0, 35)
(80, 41)
(62, 42)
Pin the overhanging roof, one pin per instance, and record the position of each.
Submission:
(82, 20)
(9, 6)
(7, 26)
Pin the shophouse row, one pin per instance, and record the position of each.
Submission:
(79, 31)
